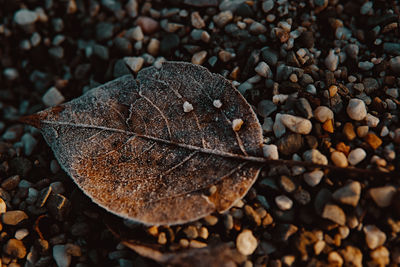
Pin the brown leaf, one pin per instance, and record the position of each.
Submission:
(159, 149)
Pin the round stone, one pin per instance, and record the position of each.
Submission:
(246, 243)
(356, 156)
(356, 109)
(15, 248)
(24, 17)
(313, 178)
(315, 156)
(14, 217)
(383, 196)
(348, 194)
(296, 124)
(271, 151)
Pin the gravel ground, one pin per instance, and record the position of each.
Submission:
(322, 76)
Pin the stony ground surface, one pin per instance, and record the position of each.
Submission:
(322, 76)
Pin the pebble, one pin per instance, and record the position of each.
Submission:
(334, 213)
(348, 194)
(283, 202)
(374, 237)
(356, 109)
(362, 131)
(14, 217)
(263, 70)
(11, 182)
(313, 178)
(257, 28)
(394, 64)
(287, 184)
(104, 31)
(304, 108)
(196, 20)
(373, 140)
(332, 61)
(371, 120)
(223, 18)
(315, 156)
(246, 243)
(169, 42)
(383, 196)
(134, 63)
(267, 5)
(380, 256)
(270, 56)
(365, 65)
(11, 74)
(3, 206)
(148, 25)
(21, 233)
(352, 256)
(60, 255)
(296, 124)
(237, 124)
(132, 8)
(225, 56)
(323, 114)
(366, 8)
(199, 57)
(290, 144)
(356, 156)
(370, 85)
(15, 248)
(53, 97)
(393, 92)
(335, 259)
(191, 232)
(266, 108)
(25, 17)
(270, 151)
(339, 159)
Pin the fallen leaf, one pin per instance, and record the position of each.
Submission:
(149, 149)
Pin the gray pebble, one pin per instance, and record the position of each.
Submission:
(332, 61)
(366, 8)
(365, 65)
(53, 97)
(270, 56)
(104, 31)
(313, 178)
(257, 28)
(25, 17)
(10, 74)
(56, 52)
(60, 255)
(267, 5)
(223, 18)
(395, 64)
(265, 108)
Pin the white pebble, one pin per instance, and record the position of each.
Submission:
(53, 97)
(270, 151)
(313, 178)
(283, 202)
(279, 98)
(383, 196)
(296, 124)
(356, 156)
(237, 124)
(217, 103)
(246, 243)
(323, 114)
(187, 107)
(356, 109)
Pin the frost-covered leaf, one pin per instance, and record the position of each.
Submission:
(157, 149)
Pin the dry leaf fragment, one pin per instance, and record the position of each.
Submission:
(128, 145)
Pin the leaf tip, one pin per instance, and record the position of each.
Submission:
(33, 120)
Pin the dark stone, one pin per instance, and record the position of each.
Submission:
(21, 165)
(123, 45)
(244, 10)
(307, 39)
(201, 3)
(322, 198)
(104, 31)
(304, 108)
(169, 43)
(290, 144)
(311, 141)
(270, 56)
